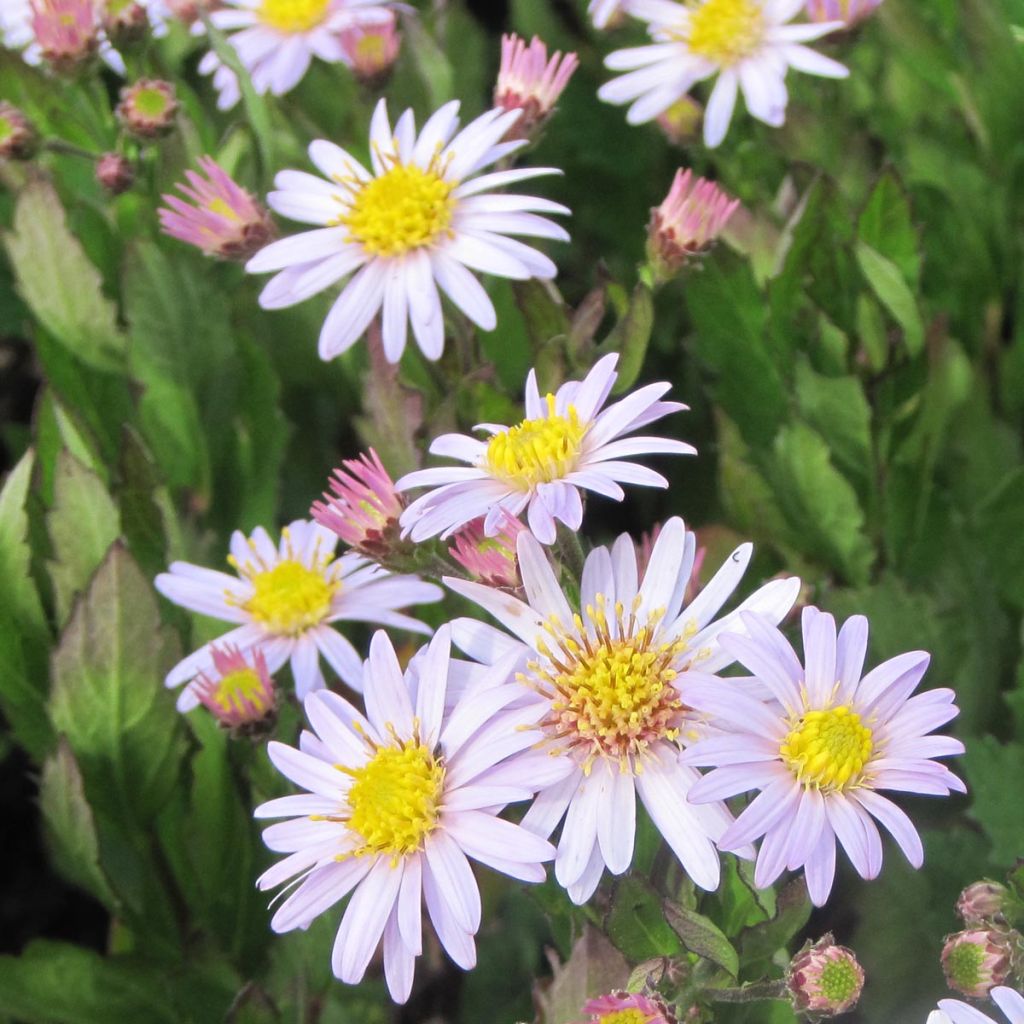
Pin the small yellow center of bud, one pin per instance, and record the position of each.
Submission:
(725, 31)
(222, 208)
(290, 598)
(405, 208)
(394, 799)
(370, 49)
(632, 1016)
(840, 981)
(537, 451)
(236, 690)
(828, 749)
(151, 102)
(293, 17)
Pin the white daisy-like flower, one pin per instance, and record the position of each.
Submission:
(748, 44)
(398, 802)
(566, 444)
(285, 598)
(276, 40)
(422, 219)
(955, 1011)
(608, 678)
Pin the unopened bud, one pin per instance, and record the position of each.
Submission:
(825, 980)
(18, 138)
(978, 959)
(531, 83)
(625, 1008)
(848, 11)
(124, 21)
(982, 902)
(680, 123)
(239, 694)
(608, 13)
(371, 49)
(189, 11)
(115, 173)
(147, 108)
(489, 560)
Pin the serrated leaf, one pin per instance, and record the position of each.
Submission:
(996, 805)
(889, 286)
(108, 695)
(69, 826)
(82, 525)
(700, 935)
(57, 281)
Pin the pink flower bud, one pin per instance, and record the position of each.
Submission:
(489, 560)
(362, 506)
(66, 31)
(115, 173)
(849, 11)
(239, 694)
(18, 138)
(982, 902)
(624, 1008)
(188, 11)
(222, 219)
(530, 82)
(147, 108)
(680, 123)
(124, 21)
(371, 49)
(825, 979)
(978, 959)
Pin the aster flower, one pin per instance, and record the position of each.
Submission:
(566, 444)
(627, 1008)
(953, 1011)
(531, 82)
(979, 959)
(746, 43)
(423, 218)
(66, 31)
(239, 694)
(608, 678)
(692, 216)
(603, 11)
(370, 49)
(362, 506)
(284, 600)
(221, 218)
(398, 800)
(822, 750)
(489, 560)
(276, 40)
(847, 11)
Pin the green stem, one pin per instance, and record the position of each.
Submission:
(570, 551)
(68, 149)
(750, 993)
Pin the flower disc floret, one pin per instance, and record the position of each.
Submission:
(828, 749)
(625, 1017)
(290, 597)
(293, 17)
(405, 208)
(395, 799)
(537, 451)
(726, 31)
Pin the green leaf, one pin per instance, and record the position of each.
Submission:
(888, 284)
(24, 634)
(82, 525)
(636, 921)
(793, 910)
(69, 826)
(990, 766)
(108, 694)
(820, 504)
(702, 936)
(886, 226)
(57, 281)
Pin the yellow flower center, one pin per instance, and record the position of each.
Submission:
(222, 208)
(725, 31)
(394, 799)
(632, 1016)
(236, 690)
(537, 451)
(290, 598)
(371, 49)
(612, 693)
(405, 208)
(293, 17)
(828, 749)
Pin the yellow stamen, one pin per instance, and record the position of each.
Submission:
(537, 451)
(632, 1016)
(395, 799)
(293, 16)
(828, 749)
(725, 31)
(290, 598)
(236, 690)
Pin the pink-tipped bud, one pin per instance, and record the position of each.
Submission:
(221, 218)
(825, 979)
(608, 13)
(680, 123)
(189, 11)
(848, 11)
(489, 560)
(362, 506)
(687, 222)
(983, 902)
(148, 107)
(115, 173)
(18, 138)
(124, 21)
(238, 693)
(625, 1008)
(978, 959)
(531, 82)
(67, 32)
(370, 49)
